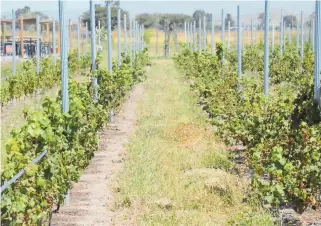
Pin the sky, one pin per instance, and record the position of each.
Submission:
(75, 8)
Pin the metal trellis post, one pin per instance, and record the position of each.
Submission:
(297, 36)
(93, 48)
(87, 38)
(38, 44)
(78, 39)
(118, 37)
(223, 35)
(213, 36)
(266, 48)
(54, 41)
(317, 50)
(229, 35)
(200, 35)
(64, 68)
(281, 33)
(194, 36)
(109, 41)
(204, 33)
(185, 34)
(239, 56)
(14, 42)
(252, 34)
(99, 38)
(302, 38)
(125, 34)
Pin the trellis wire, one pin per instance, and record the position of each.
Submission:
(6, 184)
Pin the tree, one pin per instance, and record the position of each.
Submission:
(101, 15)
(22, 11)
(113, 3)
(229, 18)
(290, 20)
(197, 15)
(261, 18)
(158, 19)
(27, 13)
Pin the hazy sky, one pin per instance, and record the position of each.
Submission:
(76, 7)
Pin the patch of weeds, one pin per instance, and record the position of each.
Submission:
(126, 202)
(248, 217)
(216, 160)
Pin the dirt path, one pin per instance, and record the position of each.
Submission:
(92, 195)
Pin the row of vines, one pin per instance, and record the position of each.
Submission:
(26, 81)
(70, 139)
(281, 133)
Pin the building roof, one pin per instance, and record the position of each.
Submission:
(25, 21)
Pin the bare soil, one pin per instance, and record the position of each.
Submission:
(92, 198)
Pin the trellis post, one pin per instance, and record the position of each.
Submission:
(125, 35)
(78, 39)
(239, 56)
(13, 42)
(204, 33)
(54, 41)
(93, 48)
(38, 45)
(302, 38)
(118, 37)
(266, 48)
(109, 41)
(229, 35)
(213, 35)
(317, 50)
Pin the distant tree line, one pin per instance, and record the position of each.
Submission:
(27, 13)
(151, 20)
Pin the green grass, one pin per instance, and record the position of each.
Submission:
(6, 68)
(176, 171)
